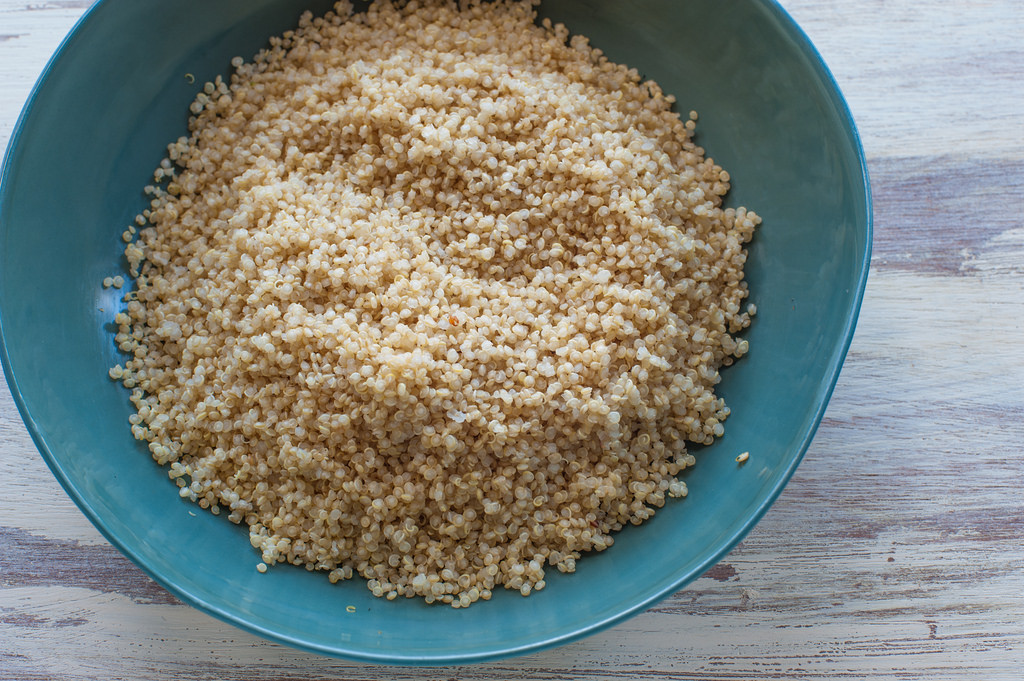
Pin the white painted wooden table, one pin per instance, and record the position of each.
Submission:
(897, 551)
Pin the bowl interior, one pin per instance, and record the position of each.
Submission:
(97, 126)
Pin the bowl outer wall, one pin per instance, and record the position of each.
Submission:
(55, 353)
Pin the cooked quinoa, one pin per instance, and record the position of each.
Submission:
(435, 295)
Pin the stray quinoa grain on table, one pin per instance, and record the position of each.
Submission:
(435, 295)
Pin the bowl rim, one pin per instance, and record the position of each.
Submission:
(809, 51)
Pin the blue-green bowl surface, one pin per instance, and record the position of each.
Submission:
(98, 123)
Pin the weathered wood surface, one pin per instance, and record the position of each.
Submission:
(897, 551)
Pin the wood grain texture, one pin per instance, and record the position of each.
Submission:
(897, 551)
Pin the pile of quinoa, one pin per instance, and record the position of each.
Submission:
(435, 295)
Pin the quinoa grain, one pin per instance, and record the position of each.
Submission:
(433, 295)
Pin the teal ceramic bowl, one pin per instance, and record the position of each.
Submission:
(96, 126)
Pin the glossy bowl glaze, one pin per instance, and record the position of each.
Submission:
(97, 124)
